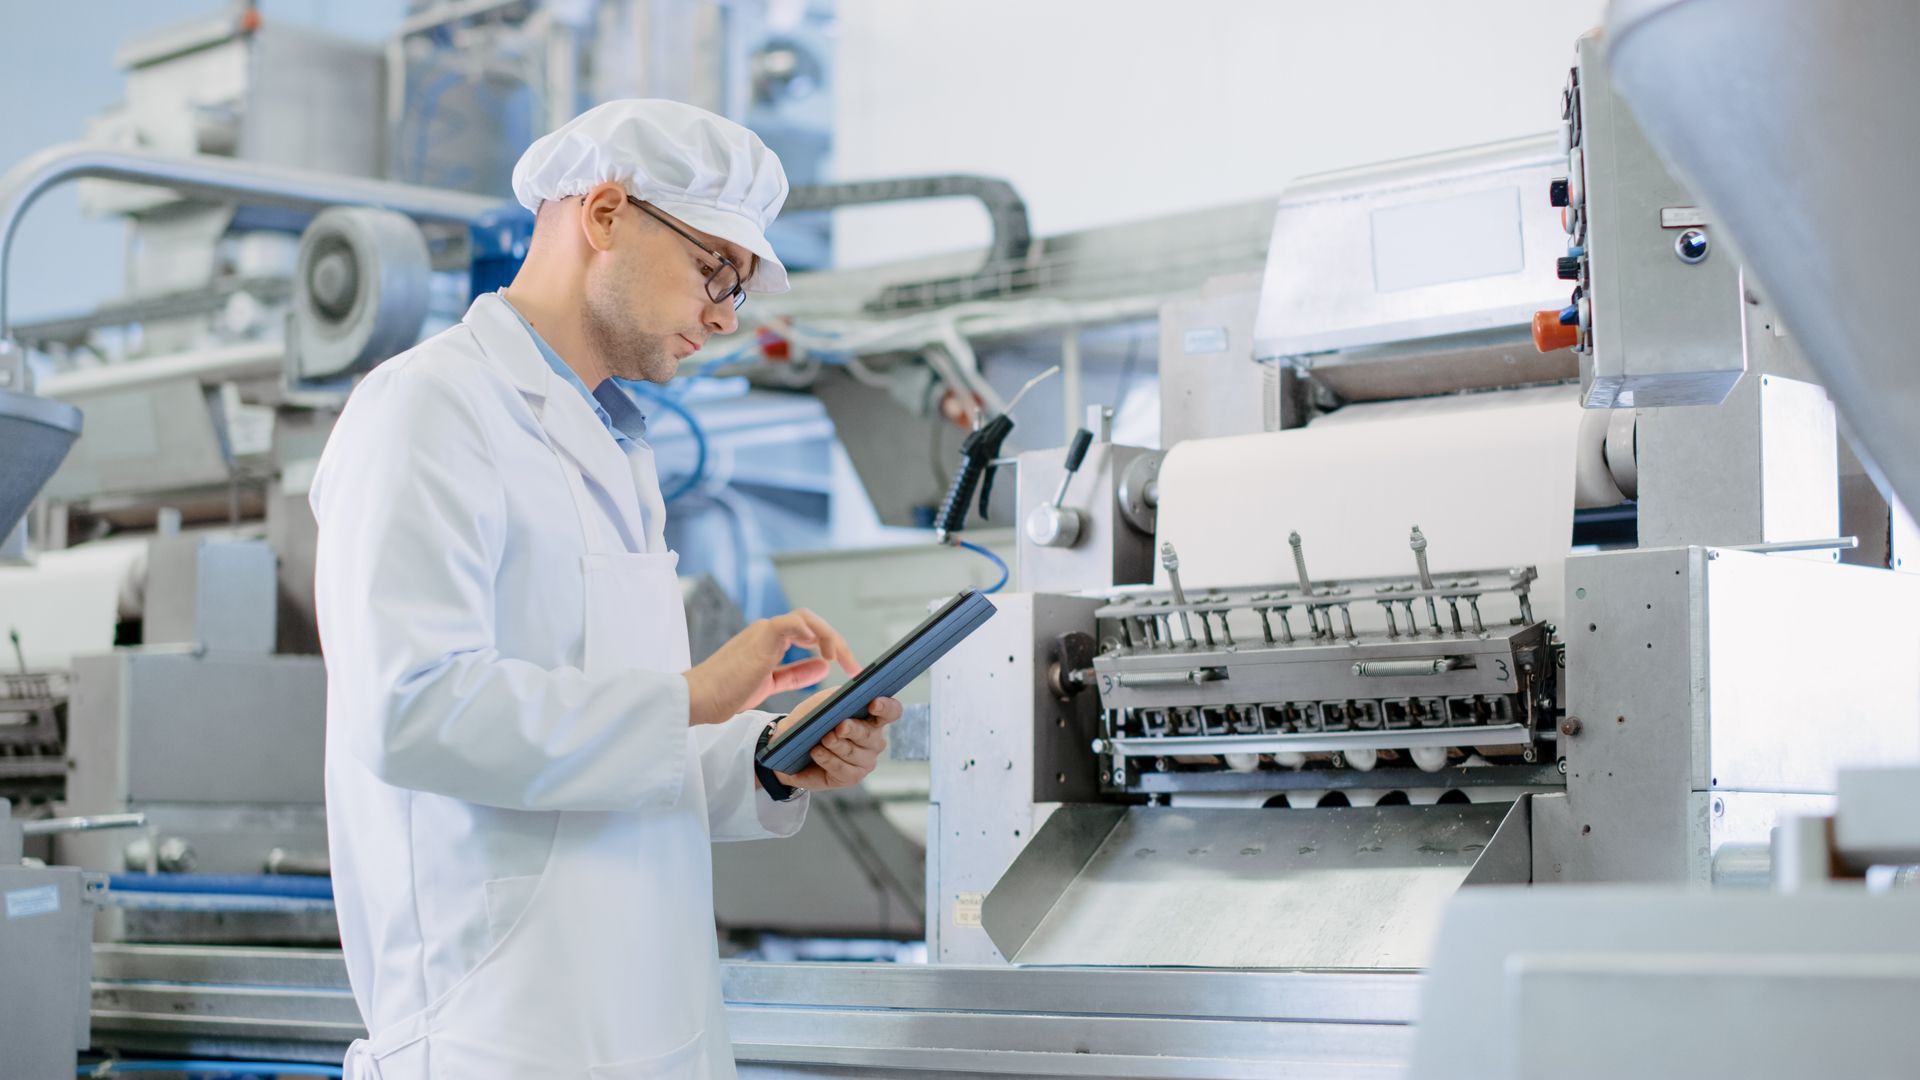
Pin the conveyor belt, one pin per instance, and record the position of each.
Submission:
(820, 1020)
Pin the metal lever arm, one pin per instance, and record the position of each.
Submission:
(1054, 525)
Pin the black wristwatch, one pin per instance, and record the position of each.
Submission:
(769, 781)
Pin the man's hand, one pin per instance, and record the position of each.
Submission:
(742, 673)
(849, 752)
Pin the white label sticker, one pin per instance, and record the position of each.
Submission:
(40, 900)
(966, 908)
(1682, 217)
(1204, 341)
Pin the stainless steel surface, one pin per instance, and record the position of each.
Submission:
(1109, 549)
(1661, 331)
(1322, 741)
(1642, 982)
(1005, 752)
(145, 720)
(1758, 468)
(1833, 543)
(37, 433)
(1349, 887)
(220, 595)
(156, 437)
(792, 1020)
(1695, 674)
(1878, 818)
(1451, 243)
(1376, 668)
(222, 751)
(217, 179)
(264, 79)
(46, 919)
(1210, 385)
(1783, 85)
(1420, 367)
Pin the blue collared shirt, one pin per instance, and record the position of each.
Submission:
(611, 404)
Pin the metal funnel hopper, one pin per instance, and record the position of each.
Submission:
(35, 435)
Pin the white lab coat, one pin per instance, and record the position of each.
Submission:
(518, 811)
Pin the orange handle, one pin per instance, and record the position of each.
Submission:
(1550, 334)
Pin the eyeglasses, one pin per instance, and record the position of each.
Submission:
(723, 282)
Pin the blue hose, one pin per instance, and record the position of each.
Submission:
(995, 559)
(653, 393)
(210, 1068)
(282, 885)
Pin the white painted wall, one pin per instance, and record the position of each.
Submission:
(1103, 111)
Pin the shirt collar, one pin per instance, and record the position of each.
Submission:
(623, 419)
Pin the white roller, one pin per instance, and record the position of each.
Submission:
(1489, 478)
(361, 286)
(67, 603)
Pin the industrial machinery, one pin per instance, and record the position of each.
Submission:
(1492, 537)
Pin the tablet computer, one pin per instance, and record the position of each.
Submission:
(791, 750)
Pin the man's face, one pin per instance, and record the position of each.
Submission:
(647, 307)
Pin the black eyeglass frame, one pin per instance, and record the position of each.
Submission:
(737, 292)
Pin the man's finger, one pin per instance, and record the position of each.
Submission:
(811, 778)
(862, 733)
(799, 673)
(860, 755)
(842, 772)
(831, 645)
(885, 710)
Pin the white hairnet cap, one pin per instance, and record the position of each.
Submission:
(703, 169)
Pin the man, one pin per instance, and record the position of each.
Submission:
(524, 771)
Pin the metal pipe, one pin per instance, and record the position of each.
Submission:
(218, 179)
(89, 823)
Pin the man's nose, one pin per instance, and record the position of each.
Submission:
(720, 318)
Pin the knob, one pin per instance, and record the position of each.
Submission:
(1550, 334)
(1568, 267)
(1557, 191)
(1054, 524)
(1691, 246)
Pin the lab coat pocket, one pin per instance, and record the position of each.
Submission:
(635, 614)
(507, 900)
(688, 1061)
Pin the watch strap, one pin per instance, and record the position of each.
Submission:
(769, 780)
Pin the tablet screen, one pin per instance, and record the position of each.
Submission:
(789, 751)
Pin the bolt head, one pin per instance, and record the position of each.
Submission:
(1570, 726)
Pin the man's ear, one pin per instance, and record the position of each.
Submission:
(599, 213)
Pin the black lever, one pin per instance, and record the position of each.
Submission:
(977, 452)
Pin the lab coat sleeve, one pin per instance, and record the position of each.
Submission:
(737, 808)
(412, 514)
